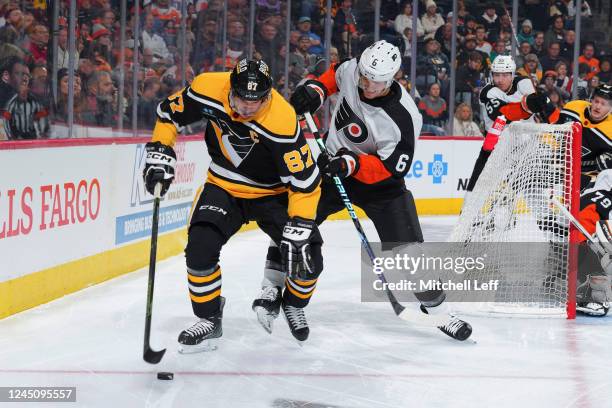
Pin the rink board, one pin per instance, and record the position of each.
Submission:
(74, 213)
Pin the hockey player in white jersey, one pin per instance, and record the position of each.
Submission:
(371, 144)
(508, 98)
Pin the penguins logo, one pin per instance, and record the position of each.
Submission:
(351, 126)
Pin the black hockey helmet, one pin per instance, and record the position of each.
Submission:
(603, 91)
(251, 80)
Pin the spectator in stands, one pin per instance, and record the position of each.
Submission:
(39, 85)
(175, 72)
(468, 47)
(100, 107)
(147, 103)
(444, 36)
(267, 43)
(60, 108)
(563, 80)
(304, 27)
(571, 10)
(37, 48)
(24, 116)
(605, 75)
(205, 47)
(523, 50)
(86, 12)
(13, 32)
(86, 69)
(538, 44)
(530, 69)
(470, 79)
(154, 42)
(62, 50)
(490, 21)
(463, 125)
(346, 32)
(500, 48)
(556, 32)
(404, 20)
(581, 82)
(549, 82)
(526, 33)
(567, 47)
(301, 60)
(481, 40)
(550, 60)
(433, 66)
(593, 84)
(588, 58)
(434, 111)
(163, 12)
(431, 20)
(469, 28)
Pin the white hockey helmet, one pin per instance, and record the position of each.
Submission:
(503, 63)
(380, 62)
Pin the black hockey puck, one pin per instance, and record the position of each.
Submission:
(165, 376)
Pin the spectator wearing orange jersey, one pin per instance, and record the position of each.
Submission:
(588, 58)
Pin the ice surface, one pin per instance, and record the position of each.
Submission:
(358, 354)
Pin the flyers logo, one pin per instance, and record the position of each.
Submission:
(351, 126)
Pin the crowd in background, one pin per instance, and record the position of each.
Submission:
(32, 101)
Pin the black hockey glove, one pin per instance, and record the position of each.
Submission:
(343, 164)
(159, 166)
(308, 97)
(540, 103)
(296, 258)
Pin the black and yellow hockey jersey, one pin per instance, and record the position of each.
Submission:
(596, 137)
(265, 155)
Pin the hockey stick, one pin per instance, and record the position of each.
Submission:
(401, 311)
(149, 355)
(594, 245)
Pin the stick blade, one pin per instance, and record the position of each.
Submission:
(153, 357)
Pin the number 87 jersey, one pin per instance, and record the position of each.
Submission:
(262, 155)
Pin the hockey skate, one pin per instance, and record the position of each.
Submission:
(267, 306)
(296, 319)
(454, 327)
(202, 335)
(593, 308)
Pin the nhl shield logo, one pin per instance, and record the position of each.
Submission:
(351, 125)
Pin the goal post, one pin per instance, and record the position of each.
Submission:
(511, 206)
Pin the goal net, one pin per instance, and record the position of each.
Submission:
(510, 217)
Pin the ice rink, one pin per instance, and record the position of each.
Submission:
(358, 354)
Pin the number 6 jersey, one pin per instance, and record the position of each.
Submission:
(264, 155)
(381, 131)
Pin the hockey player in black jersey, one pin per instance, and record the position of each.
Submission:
(371, 145)
(262, 170)
(595, 116)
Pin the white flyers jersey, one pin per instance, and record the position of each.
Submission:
(492, 98)
(386, 127)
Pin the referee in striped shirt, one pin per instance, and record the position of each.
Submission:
(24, 116)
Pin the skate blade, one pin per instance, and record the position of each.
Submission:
(204, 347)
(266, 320)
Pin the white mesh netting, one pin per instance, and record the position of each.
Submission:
(511, 203)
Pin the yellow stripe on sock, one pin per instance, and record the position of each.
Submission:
(203, 279)
(298, 294)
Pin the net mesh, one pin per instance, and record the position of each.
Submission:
(511, 203)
